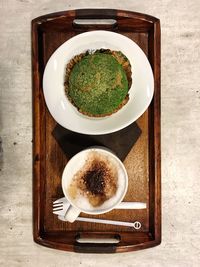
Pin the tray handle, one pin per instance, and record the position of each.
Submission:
(95, 18)
(96, 14)
(95, 248)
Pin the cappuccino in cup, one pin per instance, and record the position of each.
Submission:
(94, 181)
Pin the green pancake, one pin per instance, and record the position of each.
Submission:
(98, 84)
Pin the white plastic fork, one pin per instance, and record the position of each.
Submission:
(60, 206)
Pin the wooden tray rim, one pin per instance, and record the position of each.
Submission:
(155, 23)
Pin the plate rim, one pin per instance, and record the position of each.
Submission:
(102, 131)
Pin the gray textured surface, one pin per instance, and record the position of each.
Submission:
(180, 21)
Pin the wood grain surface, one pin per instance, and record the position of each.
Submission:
(142, 161)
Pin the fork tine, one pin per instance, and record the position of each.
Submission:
(58, 205)
(58, 208)
(59, 200)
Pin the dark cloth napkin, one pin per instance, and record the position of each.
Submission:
(119, 142)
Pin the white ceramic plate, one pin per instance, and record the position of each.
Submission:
(140, 93)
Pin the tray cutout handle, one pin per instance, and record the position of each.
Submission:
(95, 19)
(96, 244)
(95, 23)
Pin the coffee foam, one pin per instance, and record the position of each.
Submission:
(77, 166)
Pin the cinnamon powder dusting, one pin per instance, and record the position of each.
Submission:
(97, 180)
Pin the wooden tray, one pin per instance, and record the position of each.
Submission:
(138, 145)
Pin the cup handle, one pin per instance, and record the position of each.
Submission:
(71, 214)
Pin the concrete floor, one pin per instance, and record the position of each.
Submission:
(180, 21)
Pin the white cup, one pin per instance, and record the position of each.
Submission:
(74, 165)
